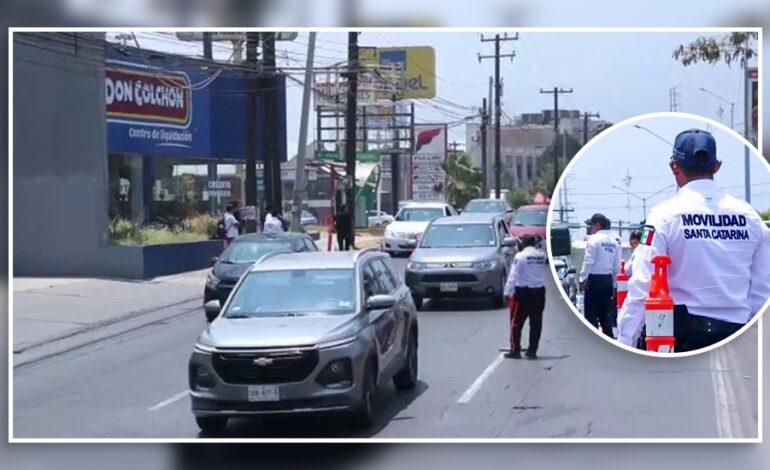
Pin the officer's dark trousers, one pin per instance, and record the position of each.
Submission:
(526, 303)
(694, 332)
(598, 301)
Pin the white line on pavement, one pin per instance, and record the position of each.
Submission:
(724, 396)
(476, 385)
(169, 401)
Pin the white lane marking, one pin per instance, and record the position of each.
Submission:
(169, 401)
(724, 395)
(476, 385)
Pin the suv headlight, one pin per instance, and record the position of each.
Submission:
(414, 266)
(212, 281)
(203, 348)
(485, 265)
(337, 342)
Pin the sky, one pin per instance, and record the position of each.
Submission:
(618, 75)
(629, 150)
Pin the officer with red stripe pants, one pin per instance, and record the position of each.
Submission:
(719, 276)
(525, 295)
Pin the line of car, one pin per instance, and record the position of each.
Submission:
(295, 330)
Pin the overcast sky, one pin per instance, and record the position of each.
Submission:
(619, 75)
(629, 150)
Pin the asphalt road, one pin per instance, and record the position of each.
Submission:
(133, 384)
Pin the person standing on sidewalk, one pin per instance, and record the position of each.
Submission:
(525, 295)
(342, 227)
(231, 225)
(273, 222)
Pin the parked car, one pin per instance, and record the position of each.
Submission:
(530, 220)
(375, 219)
(244, 252)
(306, 218)
(567, 276)
(466, 256)
(270, 350)
(402, 235)
(491, 206)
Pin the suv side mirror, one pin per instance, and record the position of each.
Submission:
(214, 260)
(509, 242)
(212, 309)
(380, 302)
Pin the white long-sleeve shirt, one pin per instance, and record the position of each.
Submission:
(272, 224)
(602, 255)
(720, 258)
(527, 270)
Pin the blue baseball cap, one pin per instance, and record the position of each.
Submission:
(695, 149)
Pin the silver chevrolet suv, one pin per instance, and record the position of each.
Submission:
(305, 332)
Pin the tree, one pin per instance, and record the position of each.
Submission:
(543, 182)
(765, 215)
(464, 181)
(738, 47)
(518, 198)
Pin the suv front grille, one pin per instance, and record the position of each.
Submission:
(264, 367)
(450, 277)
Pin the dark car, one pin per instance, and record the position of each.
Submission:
(530, 220)
(243, 253)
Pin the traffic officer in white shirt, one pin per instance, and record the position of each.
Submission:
(719, 276)
(597, 278)
(524, 293)
(633, 241)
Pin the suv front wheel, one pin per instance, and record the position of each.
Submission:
(211, 425)
(406, 378)
(363, 414)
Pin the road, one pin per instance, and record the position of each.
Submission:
(132, 384)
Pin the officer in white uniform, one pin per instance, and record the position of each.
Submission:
(633, 241)
(597, 277)
(719, 276)
(524, 293)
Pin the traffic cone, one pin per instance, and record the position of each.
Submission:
(659, 309)
(622, 290)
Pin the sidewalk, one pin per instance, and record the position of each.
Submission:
(363, 240)
(45, 309)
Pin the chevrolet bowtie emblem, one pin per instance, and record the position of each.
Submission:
(262, 361)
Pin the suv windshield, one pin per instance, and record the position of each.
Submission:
(274, 293)
(251, 251)
(419, 214)
(485, 206)
(458, 236)
(531, 218)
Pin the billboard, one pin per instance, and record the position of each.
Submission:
(428, 179)
(418, 66)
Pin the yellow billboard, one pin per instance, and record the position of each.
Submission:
(418, 66)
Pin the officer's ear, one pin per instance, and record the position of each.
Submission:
(716, 166)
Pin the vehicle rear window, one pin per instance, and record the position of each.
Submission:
(276, 293)
(458, 236)
(419, 214)
(531, 218)
(251, 251)
(485, 206)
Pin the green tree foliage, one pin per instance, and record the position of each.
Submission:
(765, 215)
(519, 198)
(729, 48)
(543, 182)
(464, 181)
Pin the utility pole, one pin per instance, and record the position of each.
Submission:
(556, 92)
(350, 132)
(252, 82)
(484, 125)
(211, 167)
(300, 189)
(271, 159)
(454, 144)
(498, 92)
(586, 116)
(673, 98)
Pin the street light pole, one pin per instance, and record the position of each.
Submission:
(724, 100)
(643, 199)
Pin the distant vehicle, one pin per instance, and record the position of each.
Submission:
(375, 220)
(567, 276)
(244, 252)
(530, 220)
(466, 256)
(492, 206)
(306, 218)
(305, 332)
(402, 235)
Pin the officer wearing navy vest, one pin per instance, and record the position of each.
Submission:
(719, 277)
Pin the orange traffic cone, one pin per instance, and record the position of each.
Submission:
(622, 279)
(659, 309)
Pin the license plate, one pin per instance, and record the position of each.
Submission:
(263, 393)
(448, 287)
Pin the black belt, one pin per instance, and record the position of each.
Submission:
(600, 276)
(695, 332)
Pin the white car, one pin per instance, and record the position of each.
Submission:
(402, 235)
(375, 220)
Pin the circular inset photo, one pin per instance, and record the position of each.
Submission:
(659, 234)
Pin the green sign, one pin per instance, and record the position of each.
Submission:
(334, 156)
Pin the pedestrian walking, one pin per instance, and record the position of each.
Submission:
(230, 225)
(601, 264)
(524, 293)
(342, 224)
(719, 276)
(273, 222)
(237, 214)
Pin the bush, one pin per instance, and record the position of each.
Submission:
(132, 232)
(204, 224)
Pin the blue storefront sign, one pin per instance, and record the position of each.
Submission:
(167, 105)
